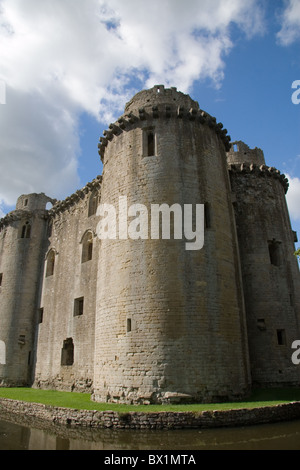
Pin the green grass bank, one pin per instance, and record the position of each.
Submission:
(82, 401)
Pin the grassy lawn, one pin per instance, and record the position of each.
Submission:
(260, 397)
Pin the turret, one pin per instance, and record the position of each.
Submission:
(22, 244)
(169, 318)
(270, 272)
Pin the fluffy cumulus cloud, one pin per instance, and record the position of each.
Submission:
(60, 58)
(290, 30)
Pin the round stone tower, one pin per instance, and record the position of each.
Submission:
(270, 272)
(170, 320)
(22, 243)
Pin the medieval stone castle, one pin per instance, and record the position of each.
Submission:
(145, 320)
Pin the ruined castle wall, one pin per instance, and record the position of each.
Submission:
(270, 272)
(65, 336)
(169, 321)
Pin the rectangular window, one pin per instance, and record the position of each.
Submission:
(149, 143)
(1, 278)
(207, 215)
(281, 339)
(78, 306)
(40, 315)
(274, 252)
(128, 325)
(67, 352)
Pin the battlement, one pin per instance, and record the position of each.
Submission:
(75, 197)
(161, 103)
(159, 95)
(262, 170)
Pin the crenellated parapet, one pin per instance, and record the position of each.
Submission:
(76, 197)
(260, 171)
(160, 103)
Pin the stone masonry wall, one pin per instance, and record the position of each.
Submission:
(152, 420)
(65, 336)
(186, 339)
(270, 272)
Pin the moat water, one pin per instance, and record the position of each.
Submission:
(279, 436)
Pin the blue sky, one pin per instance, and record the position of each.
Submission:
(70, 66)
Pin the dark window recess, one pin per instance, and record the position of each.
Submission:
(93, 204)
(87, 248)
(207, 215)
(50, 263)
(40, 315)
(67, 352)
(281, 339)
(150, 144)
(275, 252)
(26, 202)
(26, 230)
(78, 306)
(128, 325)
(1, 279)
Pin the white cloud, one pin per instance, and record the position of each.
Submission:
(293, 197)
(290, 29)
(62, 57)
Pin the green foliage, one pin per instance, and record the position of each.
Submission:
(259, 397)
(297, 253)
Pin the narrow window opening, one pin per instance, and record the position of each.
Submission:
(281, 339)
(128, 325)
(207, 215)
(26, 230)
(274, 252)
(50, 263)
(87, 248)
(26, 202)
(1, 278)
(78, 306)
(235, 148)
(40, 315)
(150, 143)
(93, 204)
(29, 358)
(67, 352)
